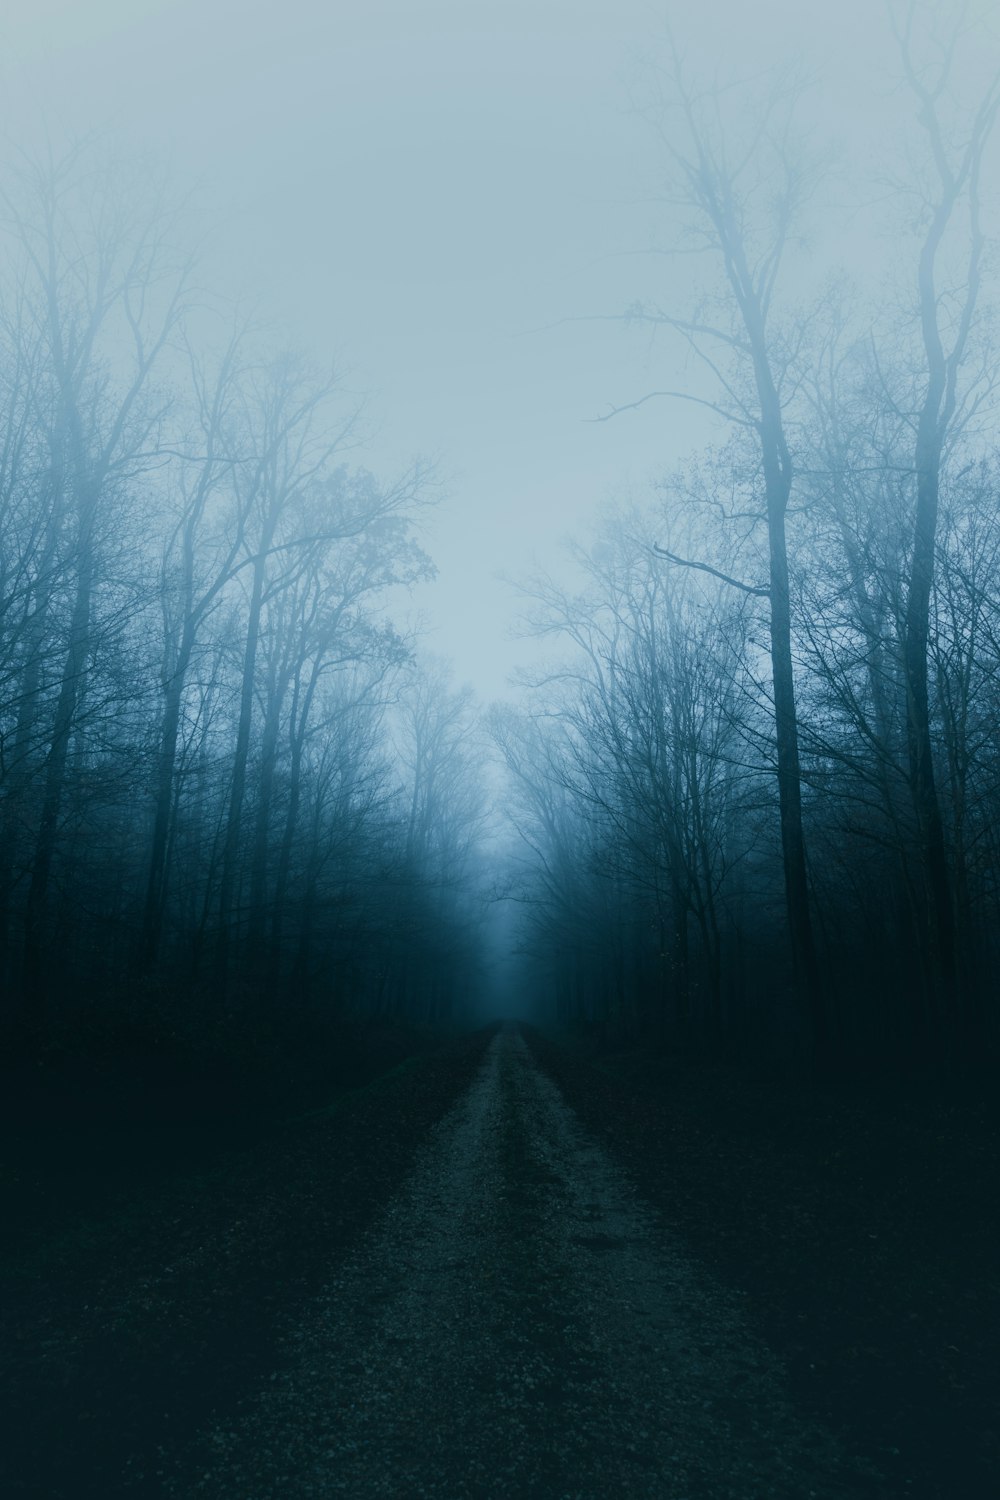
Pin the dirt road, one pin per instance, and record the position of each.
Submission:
(516, 1322)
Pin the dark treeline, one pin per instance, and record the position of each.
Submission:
(758, 790)
(222, 771)
(761, 800)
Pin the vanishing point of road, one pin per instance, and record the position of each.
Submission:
(518, 1322)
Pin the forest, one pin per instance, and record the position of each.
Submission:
(227, 781)
(750, 796)
(337, 988)
(761, 798)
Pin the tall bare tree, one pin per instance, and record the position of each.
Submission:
(742, 197)
(947, 316)
(93, 280)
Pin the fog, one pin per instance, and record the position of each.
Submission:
(426, 193)
(499, 747)
(498, 514)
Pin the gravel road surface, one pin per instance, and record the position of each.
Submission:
(517, 1322)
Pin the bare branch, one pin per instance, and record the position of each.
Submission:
(677, 396)
(685, 562)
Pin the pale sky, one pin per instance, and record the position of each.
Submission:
(426, 190)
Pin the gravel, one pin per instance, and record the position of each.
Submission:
(517, 1321)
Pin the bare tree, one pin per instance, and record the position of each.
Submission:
(743, 198)
(946, 324)
(89, 279)
(202, 555)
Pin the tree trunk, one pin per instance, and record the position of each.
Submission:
(786, 735)
(156, 881)
(940, 934)
(62, 729)
(257, 946)
(231, 843)
(777, 465)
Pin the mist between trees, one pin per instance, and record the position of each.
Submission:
(760, 801)
(753, 798)
(228, 791)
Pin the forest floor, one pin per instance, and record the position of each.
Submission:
(507, 1270)
(147, 1265)
(861, 1223)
